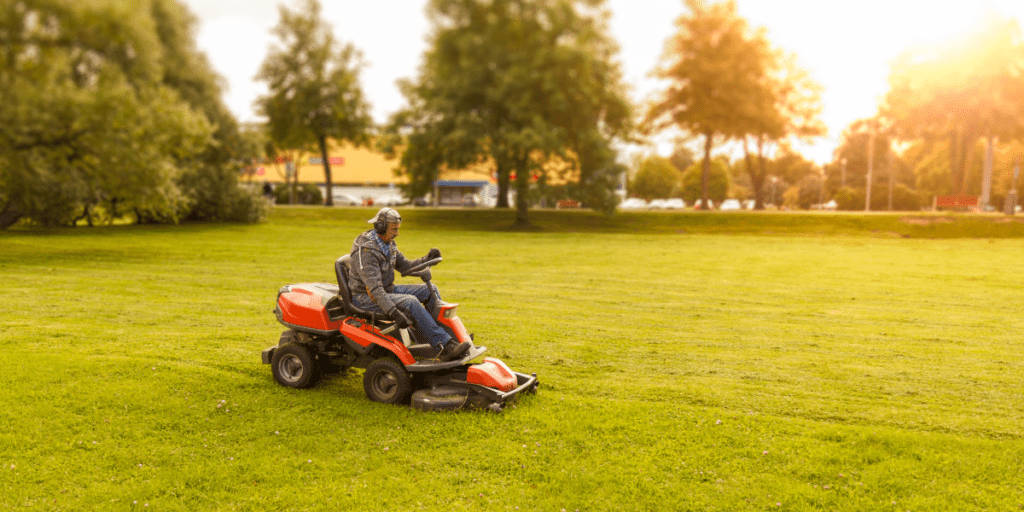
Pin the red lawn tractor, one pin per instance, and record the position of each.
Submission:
(327, 333)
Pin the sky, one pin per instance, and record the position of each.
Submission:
(845, 46)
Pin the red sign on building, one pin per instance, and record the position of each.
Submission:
(956, 201)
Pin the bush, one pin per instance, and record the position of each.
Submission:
(849, 199)
(305, 193)
(718, 182)
(657, 178)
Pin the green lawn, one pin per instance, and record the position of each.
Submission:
(687, 362)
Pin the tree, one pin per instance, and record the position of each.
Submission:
(516, 83)
(314, 93)
(107, 109)
(788, 106)
(208, 182)
(713, 186)
(714, 66)
(960, 92)
(656, 178)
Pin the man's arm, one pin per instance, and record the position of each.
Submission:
(402, 264)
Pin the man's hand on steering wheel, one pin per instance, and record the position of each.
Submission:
(400, 319)
(434, 253)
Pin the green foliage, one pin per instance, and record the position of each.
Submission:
(717, 182)
(108, 106)
(656, 178)
(515, 83)
(850, 199)
(807, 191)
(906, 199)
(314, 92)
(305, 193)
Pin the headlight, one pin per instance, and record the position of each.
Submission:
(449, 313)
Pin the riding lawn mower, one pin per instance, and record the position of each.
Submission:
(327, 333)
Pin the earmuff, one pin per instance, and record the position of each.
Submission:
(381, 224)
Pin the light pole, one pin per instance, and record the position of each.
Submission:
(775, 180)
(821, 190)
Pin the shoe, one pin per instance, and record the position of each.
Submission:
(453, 350)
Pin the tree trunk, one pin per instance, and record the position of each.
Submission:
(756, 178)
(967, 156)
(501, 167)
(705, 172)
(329, 200)
(954, 161)
(522, 194)
(9, 215)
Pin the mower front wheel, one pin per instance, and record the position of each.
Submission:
(294, 367)
(386, 381)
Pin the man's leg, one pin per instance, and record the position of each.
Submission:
(419, 291)
(428, 328)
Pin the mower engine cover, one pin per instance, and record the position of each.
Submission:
(492, 373)
(308, 306)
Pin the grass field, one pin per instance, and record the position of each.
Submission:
(687, 362)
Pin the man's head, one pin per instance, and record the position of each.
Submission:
(386, 223)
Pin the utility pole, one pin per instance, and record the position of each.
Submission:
(986, 177)
(871, 168)
(888, 165)
(1010, 206)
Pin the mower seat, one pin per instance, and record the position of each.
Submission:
(341, 271)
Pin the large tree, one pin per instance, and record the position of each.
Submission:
(787, 105)
(960, 92)
(108, 108)
(314, 94)
(713, 66)
(517, 83)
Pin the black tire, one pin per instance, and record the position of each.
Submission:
(294, 366)
(441, 398)
(386, 381)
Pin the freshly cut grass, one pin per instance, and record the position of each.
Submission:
(724, 368)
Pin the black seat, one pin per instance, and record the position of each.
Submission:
(341, 270)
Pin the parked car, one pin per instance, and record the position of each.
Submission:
(389, 200)
(633, 203)
(697, 204)
(656, 204)
(343, 199)
(749, 204)
(674, 204)
(730, 204)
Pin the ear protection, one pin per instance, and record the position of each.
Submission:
(381, 224)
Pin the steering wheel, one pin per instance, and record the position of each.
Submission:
(422, 269)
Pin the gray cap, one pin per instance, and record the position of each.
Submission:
(389, 215)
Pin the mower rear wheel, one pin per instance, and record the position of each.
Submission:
(294, 367)
(386, 381)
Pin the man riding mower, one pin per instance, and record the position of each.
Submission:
(405, 336)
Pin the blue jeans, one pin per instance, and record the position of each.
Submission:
(409, 298)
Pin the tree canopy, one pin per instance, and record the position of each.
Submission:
(99, 112)
(960, 91)
(656, 177)
(314, 87)
(725, 81)
(516, 83)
